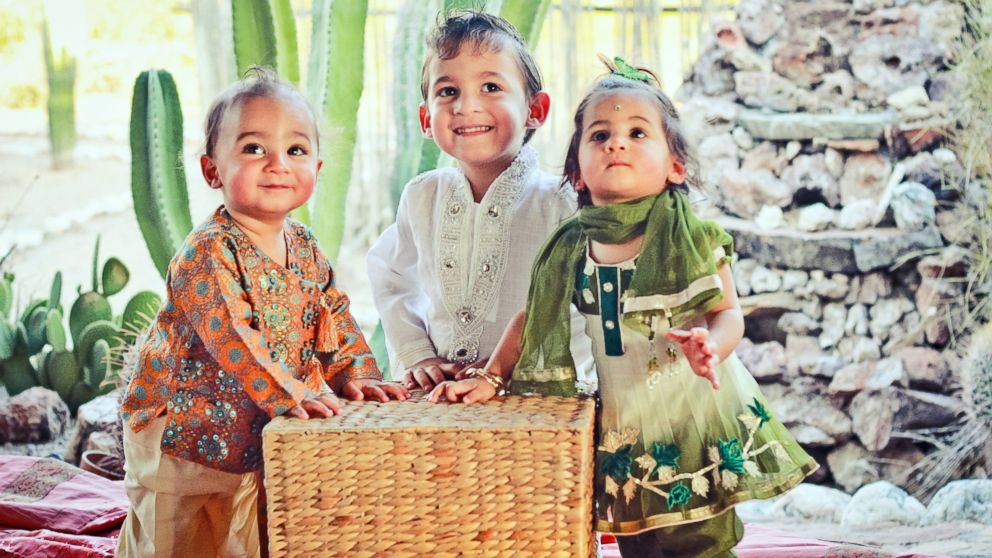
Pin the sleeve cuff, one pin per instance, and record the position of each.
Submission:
(413, 353)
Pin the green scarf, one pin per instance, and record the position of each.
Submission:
(675, 275)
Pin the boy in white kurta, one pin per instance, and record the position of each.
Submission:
(452, 271)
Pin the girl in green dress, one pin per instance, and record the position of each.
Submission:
(684, 432)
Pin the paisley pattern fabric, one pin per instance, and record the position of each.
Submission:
(239, 340)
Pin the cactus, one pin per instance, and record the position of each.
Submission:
(336, 78)
(27, 336)
(527, 16)
(158, 182)
(60, 68)
(265, 35)
(967, 449)
(34, 348)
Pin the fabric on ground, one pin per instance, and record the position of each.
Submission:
(51, 508)
(765, 542)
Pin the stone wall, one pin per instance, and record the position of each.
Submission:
(820, 127)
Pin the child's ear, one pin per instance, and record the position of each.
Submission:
(677, 175)
(425, 122)
(209, 169)
(539, 105)
(320, 163)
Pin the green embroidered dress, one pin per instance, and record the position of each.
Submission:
(672, 450)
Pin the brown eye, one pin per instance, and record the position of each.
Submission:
(253, 148)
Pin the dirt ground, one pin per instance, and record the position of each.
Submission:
(51, 220)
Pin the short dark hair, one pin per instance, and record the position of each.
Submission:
(454, 29)
(257, 82)
(612, 83)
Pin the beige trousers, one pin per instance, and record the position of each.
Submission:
(180, 508)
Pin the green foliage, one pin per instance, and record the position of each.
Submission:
(34, 348)
(158, 181)
(61, 71)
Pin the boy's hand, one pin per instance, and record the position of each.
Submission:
(428, 373)
(374, 390)
(321, 406)
(698, 350)
(470, 390)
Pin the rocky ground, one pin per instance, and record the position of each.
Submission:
(49, 221)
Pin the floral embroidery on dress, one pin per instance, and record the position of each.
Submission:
(729, 460)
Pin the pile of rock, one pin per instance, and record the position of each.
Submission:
(820, 128)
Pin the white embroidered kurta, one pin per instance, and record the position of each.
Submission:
(449, 275)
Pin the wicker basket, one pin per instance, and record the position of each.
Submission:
(508, 478)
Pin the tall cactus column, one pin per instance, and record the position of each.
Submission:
(60, 67)
(158, 181)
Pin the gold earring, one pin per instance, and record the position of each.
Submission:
(617, 108)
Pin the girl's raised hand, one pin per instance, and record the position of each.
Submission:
(374, 390)
(699, 351)
(469, 390)
(321, 406)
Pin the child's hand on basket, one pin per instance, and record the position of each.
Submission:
(699, 351)
(325, 405)
(469, 390)
(374, 390)
(428, 373)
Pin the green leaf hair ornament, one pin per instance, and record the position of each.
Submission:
(624, 69)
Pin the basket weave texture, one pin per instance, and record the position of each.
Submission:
(508, 478)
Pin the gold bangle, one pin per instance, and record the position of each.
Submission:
(492, 379)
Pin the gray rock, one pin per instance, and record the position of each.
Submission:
(769, 90)
(926, 367)
(809, 173)
(34, 415)
(835, 287)
(798, 323)
(865, 176)
(934, 297)
(873, 415)
(859, 349)
(811, 502)
(764, 280)
(770, 217)
(703, 117)
(802, 352)
(922, 409)
(833, 250)
(765, 156)
(815, 217)
(857, 215)
(765, 361)
(834, 316)
(742, 271)
(833, 160)
(874, 286)
(942, 22)
(759, 19)
(886, 313)
(857, 320)
(962, 500)
(802, 406)
(882, 503)
(793, 278)
(889, 63)
(97, 415)
(851, 466)
(744, 192)
(806, 126)
(914, 206)
(835, 91)
(851, 378)
(742, 138)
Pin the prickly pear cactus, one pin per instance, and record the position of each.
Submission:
(27, 336)
(158, 181)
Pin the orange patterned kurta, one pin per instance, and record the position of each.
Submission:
(241, 339)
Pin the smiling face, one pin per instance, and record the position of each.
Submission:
(478, 109)
(265, 159)
(623, 152)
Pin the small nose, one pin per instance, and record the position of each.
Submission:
(466, 102)
(277, 161)
(616, 143)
